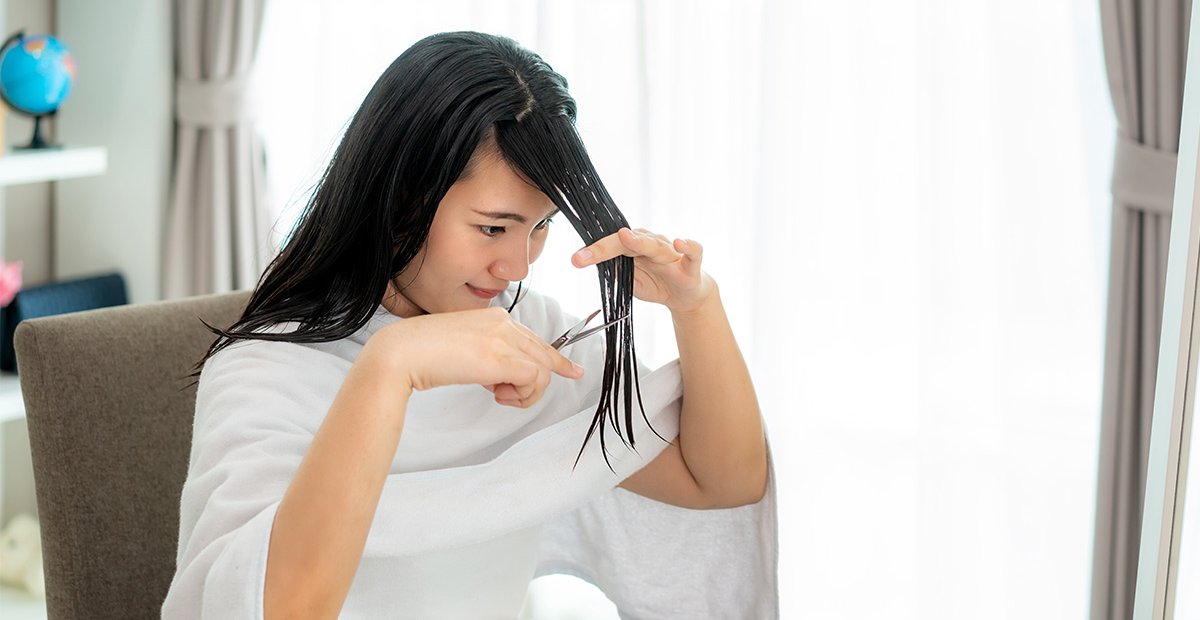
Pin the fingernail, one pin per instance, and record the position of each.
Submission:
(578, 368)
(584, 254)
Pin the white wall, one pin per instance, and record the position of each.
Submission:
(123, 100)
(26, 208)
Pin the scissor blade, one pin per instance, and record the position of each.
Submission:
(585, 334)
(573, 331)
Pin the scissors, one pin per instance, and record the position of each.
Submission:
(577, 333)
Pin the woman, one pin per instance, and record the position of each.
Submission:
(328, 476)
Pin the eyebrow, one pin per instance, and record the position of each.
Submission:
(517, 217)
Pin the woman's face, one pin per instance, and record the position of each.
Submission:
(488, 229)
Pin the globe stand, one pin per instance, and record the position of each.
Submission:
(38, 142)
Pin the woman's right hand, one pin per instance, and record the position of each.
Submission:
(484, 347)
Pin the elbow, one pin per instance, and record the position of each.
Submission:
(758, 496)
(750, 492)
(749, 499)
(294, 608)
(291, 595)
(733, 501)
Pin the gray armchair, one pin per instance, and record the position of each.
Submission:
(110, 410)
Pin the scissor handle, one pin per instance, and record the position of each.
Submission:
(568, 338)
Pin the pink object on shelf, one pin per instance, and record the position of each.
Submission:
(10, 281)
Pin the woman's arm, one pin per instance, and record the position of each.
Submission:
(322, 522)
(720, 428)
(325, 515)
(719, 459)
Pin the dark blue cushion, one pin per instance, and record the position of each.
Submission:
(54, 298)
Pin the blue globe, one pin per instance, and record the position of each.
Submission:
(36, 73)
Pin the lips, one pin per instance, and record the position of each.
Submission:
(483, 292)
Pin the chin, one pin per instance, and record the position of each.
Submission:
(459, 305)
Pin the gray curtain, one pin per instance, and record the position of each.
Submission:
(1145, 49)
(218, 230)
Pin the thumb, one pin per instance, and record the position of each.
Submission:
(504, 391)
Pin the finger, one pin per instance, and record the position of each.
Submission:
(535, 349)
(526, 390)
(528, 394)
(546, 355)
(649, 233)
(511, 394)
(564, 366)
(559, 363)
(525, 376)
(597, 252)
(693, 254)
(505, 391)
(626, 242)
(620, 243)
(650, 245)
(539, 388)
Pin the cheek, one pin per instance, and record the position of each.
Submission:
(446, 252)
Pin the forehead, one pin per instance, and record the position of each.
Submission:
(494, 190)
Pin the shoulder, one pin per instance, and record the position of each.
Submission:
(268, 374)
(263, 354)
(249, 363)
(267, 355)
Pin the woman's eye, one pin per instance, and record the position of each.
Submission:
(493, 231)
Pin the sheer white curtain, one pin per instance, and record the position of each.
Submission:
(905, 204)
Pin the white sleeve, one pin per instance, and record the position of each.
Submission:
(532, 481)
(255, 419)
(651, 559)
(654, 560)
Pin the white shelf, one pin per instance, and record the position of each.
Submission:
(21, 605)
(18, 167)
(12, 405)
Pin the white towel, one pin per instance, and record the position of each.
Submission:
(462, 456)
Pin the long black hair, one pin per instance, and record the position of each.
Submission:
(409, 141)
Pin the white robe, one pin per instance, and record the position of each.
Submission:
(479, 499)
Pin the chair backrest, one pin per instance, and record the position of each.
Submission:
(109, 407)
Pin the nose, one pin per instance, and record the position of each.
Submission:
(513, 264)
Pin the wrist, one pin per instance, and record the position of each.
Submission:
(382, 357)
(707, 304)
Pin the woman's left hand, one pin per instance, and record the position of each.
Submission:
(665, 272)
